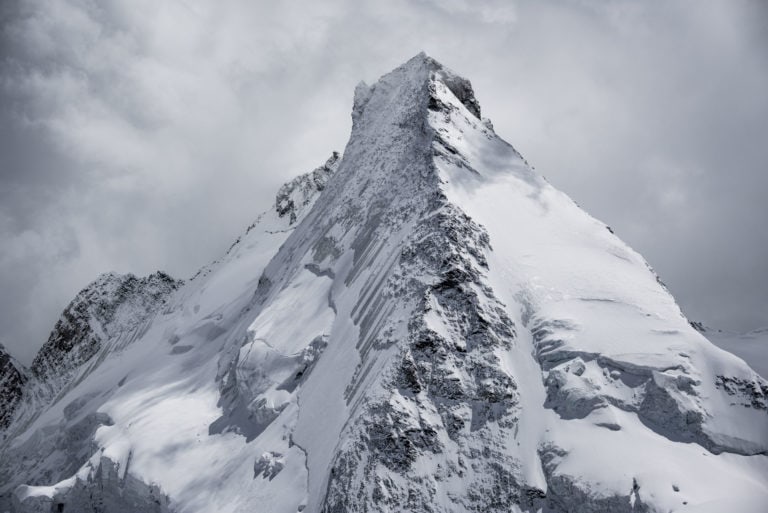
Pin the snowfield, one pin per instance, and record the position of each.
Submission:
(423, 324)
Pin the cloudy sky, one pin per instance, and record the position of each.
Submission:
(138, 135)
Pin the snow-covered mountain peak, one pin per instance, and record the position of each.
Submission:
(421, 325)
(436, 72)
(405, 93)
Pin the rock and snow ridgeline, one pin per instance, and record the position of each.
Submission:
(421, 325)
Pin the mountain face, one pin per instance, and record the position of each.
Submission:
(12, 378)
(421, 325)
(104, 317)
(110, 306)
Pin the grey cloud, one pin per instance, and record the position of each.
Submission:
(145, 135)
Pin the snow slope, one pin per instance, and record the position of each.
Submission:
(422, 325)
(751, 346)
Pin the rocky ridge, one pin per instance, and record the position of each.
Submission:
(101, 320)
(12, 379)
(113, 304)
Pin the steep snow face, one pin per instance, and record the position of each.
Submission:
(140, 407)
(423, 325)
(623, 378)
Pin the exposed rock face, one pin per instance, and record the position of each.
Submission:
(424, 325)
(449, 396)
(12, 379)
(109, 306)
(298, 195)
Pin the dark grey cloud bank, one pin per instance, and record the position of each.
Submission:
(137, 135)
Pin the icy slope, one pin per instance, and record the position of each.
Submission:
(423, 325)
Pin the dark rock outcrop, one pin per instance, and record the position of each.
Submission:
(12, 379)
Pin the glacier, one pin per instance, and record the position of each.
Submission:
(422, 324)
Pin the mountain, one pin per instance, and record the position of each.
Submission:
(423, 324)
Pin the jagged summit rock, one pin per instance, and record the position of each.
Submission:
(423, 324)
(421, 71)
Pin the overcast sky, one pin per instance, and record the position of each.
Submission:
(138, 135)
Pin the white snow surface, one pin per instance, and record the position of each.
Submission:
(273, 380)
(751, 346)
